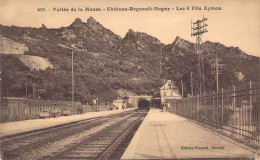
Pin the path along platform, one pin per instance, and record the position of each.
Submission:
(164, 135)
(10, 128)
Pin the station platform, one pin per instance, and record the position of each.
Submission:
(10, 128)
(164, 135)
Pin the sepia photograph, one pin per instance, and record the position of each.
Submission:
(132, 79)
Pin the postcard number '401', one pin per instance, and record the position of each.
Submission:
(41, 9)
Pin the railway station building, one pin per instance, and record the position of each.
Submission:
(169, 92)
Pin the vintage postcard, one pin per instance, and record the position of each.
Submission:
(113, 79)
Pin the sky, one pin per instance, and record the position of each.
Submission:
(236, 24)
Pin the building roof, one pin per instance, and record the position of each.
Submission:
(169, 85)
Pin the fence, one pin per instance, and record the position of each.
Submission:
(14, 109)
(95, 108)
(234, 111)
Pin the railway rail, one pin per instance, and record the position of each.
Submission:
(102, 144)
(14, 146)
(121, 148)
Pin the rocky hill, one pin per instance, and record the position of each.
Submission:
(105, 63)
(180, 60)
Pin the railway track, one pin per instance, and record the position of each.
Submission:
(14, 146)
(120, 149)
(102, 144)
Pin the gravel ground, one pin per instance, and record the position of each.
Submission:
(62, 144)
(10, 128)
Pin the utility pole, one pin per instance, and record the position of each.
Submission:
(197, 29)
(216, 66)
(26, 91)
(160, 71)
(191, 84)
(160, 68)
(160, 60)
(72, 79)
(217, 72)
(181, 88)
(33, 91)
(1, 87)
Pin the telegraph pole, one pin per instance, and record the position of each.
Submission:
(181, 88)
(197, 29)
(191, 84)
(26, 90)
(33, 91)
(160, 60)
(72, 79)
(216, 66)
(217, 60)
(1, 87)
(160, 66)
